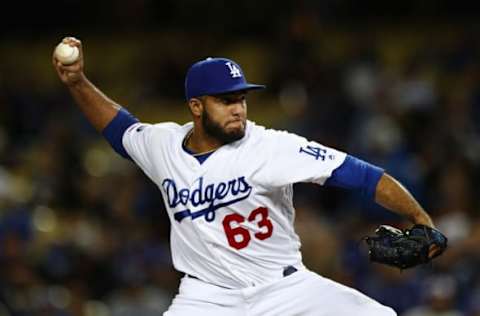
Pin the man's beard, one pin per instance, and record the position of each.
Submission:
(214, 129)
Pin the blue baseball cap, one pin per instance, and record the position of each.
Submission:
(213, 76)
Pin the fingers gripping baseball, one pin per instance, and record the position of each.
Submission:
(70, 72)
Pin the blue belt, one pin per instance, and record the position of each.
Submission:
(289, 270)
(286, 272)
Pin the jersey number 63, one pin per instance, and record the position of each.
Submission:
(239, 237)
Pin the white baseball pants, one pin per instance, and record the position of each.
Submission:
(303, 293)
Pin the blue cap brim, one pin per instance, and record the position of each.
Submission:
(239, 87)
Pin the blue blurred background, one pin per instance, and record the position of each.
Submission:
(83, 232)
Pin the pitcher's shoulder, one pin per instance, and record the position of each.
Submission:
(256, 130)
(167, 126)
(163, 132)
(267, 133)
(170, 128)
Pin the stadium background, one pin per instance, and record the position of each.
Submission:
(83, 232)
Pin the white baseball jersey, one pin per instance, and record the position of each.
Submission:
(232, 216)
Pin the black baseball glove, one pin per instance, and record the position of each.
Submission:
(405, 248)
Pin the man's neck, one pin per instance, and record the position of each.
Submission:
(199, 142)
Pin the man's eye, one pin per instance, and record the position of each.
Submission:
(230, 100)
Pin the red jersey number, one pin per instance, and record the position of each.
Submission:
(239, 237)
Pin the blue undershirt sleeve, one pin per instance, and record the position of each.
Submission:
(355, 173)
(113, 132)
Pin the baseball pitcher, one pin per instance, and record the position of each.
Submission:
(227, 186)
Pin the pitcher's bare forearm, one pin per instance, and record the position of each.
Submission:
(97, 107)
(395, 197)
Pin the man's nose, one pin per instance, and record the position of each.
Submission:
(237, 107)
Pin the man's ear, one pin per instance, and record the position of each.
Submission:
(196, 107)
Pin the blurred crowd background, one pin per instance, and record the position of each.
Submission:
(83, 232)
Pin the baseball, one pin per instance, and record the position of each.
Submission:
(66, 54)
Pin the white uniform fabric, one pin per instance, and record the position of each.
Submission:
(232, 216)
(303, 293)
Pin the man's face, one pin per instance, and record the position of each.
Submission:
(224, 116)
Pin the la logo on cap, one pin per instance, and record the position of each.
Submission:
(234, 70)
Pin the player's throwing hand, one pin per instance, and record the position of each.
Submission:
(72, 73)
